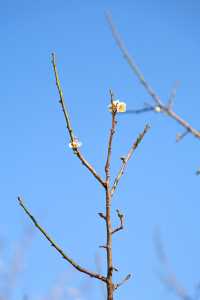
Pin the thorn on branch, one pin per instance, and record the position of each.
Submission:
(116, 286)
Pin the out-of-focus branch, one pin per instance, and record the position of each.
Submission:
(69, 127)
(170, 280)
(173, 95)
(123, 281)
(126, 158)
(159, 105)
(58, 249)
(10, 273)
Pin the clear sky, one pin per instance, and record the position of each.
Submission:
(159, 187)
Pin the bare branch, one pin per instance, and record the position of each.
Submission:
(122, 282)
(180, 136)
(62, 101)
(127, 157)
(139, 110)
(130, 61)
(108, 202)
(58, 249)
(89, 167)
(121, 218)
(170, 280)
(101, 215)
(69, 127)
(173, 95)
(163, 108)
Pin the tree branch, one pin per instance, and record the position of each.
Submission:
(123, 281)
(167, 109)
(58, 249)
(127, 157)
(170, 280)
(121, 219)
(69, 127)
(110, 286)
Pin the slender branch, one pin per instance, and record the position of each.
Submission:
(62, 101)
(58, 249)
(102, 215)
(180, 136)
(127, 157)
(130, 61)
(121, 218)
(89, 167)
(163, 108)
(139, 110)
(122, 282)
(173, 95)
(170, 280)
(69, 127)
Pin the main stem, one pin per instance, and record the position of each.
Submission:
(110, 285)
(109, 244)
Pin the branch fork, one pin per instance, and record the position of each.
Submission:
(116, 107)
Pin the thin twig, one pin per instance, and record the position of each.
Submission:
(122, 282)
(139, 110)
(102, 215)
(180, 136)
(172, 95)
(127, 157)
(69, 127)
(130, 61)
(170, 280)
(158, 102)
(58, 249)
(62, 101)
(121, 219)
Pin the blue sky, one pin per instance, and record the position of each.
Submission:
(159, 187)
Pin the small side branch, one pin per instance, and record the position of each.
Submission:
(121, 218)
(101, 215)
(69, 127)
(180, 136)
(173, 95)
(58, 249)
(140, 110)
(122, 282)
(127, 157)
